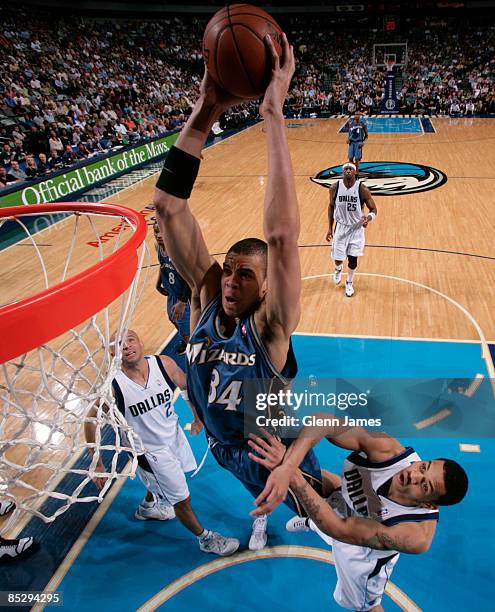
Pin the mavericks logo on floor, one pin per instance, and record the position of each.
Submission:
(388, 178)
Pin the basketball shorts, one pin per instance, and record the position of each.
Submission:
(183, 325)
(162, 471)
(347, 240)
(253, 476)
(362, 573)
(355, 150)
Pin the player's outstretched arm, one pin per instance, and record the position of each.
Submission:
(378, 447)
(183, 238)
(281, 223)
(413, 538)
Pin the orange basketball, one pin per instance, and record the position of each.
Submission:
(235, 51)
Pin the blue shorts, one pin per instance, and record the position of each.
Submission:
(355, 150)
(253, 476)
(183, 324)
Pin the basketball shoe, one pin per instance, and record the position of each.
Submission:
(258, 538)
(157, 512)
(349, 289)
(16, 549)
(297, 523)
(218, 544)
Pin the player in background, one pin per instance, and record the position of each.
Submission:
(346, 207)
(358, 133)
(171, 284)
(143, 392)
(249, 307)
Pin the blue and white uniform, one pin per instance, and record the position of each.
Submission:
(357, 136)
(150, 412)
(223, 374)
(362, 573)
(178, 291)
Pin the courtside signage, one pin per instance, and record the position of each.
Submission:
(388, 178)
(62, 186)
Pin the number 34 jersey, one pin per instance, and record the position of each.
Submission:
(348, 205)
(219, 370)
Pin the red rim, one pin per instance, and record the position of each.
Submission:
(35, 320)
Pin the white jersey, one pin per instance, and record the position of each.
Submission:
(361, 480)
(149, 410)
(348, 206)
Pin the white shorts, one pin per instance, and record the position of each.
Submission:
(362, 573)
(162, 470)
(347, 240)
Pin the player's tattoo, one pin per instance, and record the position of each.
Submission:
(311, 504)
(381, 541)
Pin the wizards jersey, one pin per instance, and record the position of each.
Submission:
(220, 368)
(172, 281)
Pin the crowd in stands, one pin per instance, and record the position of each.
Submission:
(73, 88)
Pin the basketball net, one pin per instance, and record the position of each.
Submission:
(390, 65)
(48, 390)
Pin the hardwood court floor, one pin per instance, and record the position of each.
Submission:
(442, 239)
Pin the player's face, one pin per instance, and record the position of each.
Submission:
(159, 237)
(421, 482)
(349, 173)
(132, 349)
(242, 283)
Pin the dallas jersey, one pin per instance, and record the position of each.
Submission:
(356, 131)
(361, 482)
(148, 410)
(219, 367)
(348, 207)
(172, 281)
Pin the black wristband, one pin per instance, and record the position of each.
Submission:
(179, 173)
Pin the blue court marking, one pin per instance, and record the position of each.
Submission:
(391, 125)
(126, 562)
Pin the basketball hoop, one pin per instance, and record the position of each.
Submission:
(390, 64)
(56, 355)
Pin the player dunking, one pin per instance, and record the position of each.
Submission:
(347, 199)
(250, 307)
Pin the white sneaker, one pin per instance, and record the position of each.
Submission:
(297, 523)
(6, 506)
(157, 512)
(258, 538)
(349, 289)
(337, 276)
(12, 549)
(218, 544)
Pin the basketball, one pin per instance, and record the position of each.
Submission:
(235, 51)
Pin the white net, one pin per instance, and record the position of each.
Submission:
(49, 395)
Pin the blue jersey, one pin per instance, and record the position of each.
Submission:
(356, 131)
(172, 281)
(220, 369)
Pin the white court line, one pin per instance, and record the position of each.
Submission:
(288, 551)
(369, 337)
(485, 350)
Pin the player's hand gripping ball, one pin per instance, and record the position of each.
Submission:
(235, 51)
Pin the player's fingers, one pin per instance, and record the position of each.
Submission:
(259, 460)
(273, 52)
(256, 448)
(260, 442)
(264, 494)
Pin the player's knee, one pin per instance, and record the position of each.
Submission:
(352, 262)
(185, 504)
